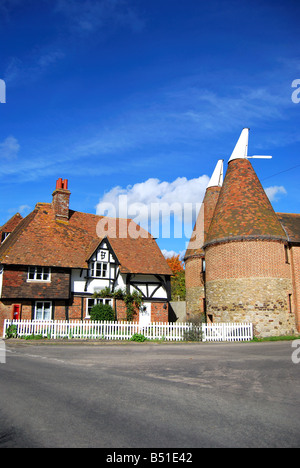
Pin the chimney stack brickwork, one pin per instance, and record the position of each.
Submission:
(61, 200)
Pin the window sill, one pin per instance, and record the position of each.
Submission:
(37, 281)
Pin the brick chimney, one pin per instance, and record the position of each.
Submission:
(60, 201)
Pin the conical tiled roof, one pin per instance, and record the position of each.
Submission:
(206, 212)
(243, 209)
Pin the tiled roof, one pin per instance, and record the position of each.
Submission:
(291, 224)
(40, 239)
(11, 224)
(243, 210)
(202, 224)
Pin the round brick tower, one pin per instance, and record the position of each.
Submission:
(194, 256)
(247, 277)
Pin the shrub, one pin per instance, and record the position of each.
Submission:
(12, 331)
(138, 337)
(194, 333)
(102, 312)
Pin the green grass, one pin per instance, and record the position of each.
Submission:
(278, 338)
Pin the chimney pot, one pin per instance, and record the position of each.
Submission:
(59, 183)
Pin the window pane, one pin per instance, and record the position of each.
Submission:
(98, 269)
(90, 304)
(92, 269)
(31, 271)
(46, 274)
(104, 271)
(47, 310)
(39, 273)
(39, 311)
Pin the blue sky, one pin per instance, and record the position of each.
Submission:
(141, 98)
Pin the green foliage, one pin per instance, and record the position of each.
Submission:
(12, 331)
(178, 286)
(138, 337)
(105, 292)
(102, 312)
(132, 300)
(33, 337)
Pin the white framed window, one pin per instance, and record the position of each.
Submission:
(91, 302)
(98, 269)
(36, 273)
(42, 310)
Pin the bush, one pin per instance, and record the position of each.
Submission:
(194, 333)
(102, 312)
(12, 331)
(138, 337)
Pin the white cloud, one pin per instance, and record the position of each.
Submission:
(9, 148)
(274, 192)
(165, 208)
(24, 209)
(172, 253)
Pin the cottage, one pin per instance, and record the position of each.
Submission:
(53, 261)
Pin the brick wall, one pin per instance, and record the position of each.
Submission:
(246, 259)
(75, 308)
(250, 281)
(60, 204)
(194, 281)
(294, 258)
(15, 284)
(159, 313)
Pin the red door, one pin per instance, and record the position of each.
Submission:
(16, 311)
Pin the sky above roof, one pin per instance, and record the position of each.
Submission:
(134, 102)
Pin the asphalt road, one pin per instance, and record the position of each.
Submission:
(140, 395)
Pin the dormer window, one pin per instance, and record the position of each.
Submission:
(36, 273)
(4, 236)
(98, 269)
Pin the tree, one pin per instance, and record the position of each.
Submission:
(175, 264)
(178, 280)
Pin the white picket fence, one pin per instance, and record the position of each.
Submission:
(125, 330)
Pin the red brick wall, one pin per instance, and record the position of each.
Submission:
(6, 311)
(60, 203)
(294, 258)
(75, 308)
(246, 259)
(15, 284)
(193, 272)
(158, 313)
